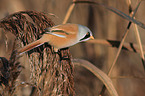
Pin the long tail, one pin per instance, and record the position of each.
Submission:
(30, 46)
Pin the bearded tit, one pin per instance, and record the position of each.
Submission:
(61, 36)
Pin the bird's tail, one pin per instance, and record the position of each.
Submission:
(30, 46)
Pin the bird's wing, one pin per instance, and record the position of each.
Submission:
(63, 30)
(57, 32)
(66, 28)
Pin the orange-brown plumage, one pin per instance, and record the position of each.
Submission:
(61, 36)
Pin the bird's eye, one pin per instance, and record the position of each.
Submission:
(86, 36)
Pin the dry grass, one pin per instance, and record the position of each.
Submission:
(52, 74)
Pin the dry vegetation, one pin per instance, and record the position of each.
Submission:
(45, 73)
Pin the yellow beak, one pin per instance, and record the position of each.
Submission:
(91, 37)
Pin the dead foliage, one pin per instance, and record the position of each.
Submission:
(51, 73)
(9, 72)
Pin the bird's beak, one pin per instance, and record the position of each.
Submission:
(91, 37)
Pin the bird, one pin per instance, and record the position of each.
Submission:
(61, 36)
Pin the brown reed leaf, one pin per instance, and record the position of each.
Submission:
(114, 10)
(98, 73)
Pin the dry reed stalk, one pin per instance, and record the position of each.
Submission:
(122, 40)
(51, 72)
(138, 40)
(113, 43)
(98, 73)
(140, 45)
(112, 9)
(121, 45)
(68, 13)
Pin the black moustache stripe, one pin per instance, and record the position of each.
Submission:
(87, 36)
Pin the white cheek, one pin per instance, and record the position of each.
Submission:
(85, 40)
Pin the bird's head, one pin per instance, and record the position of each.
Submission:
(84, 33)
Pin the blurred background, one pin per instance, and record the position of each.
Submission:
(128, 73)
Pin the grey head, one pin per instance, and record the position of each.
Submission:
(84, 33)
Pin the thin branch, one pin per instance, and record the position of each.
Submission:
(139, 43)
(122, 41)
(113, 43)
(68, 13)
(127, 77)
(121, 45)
